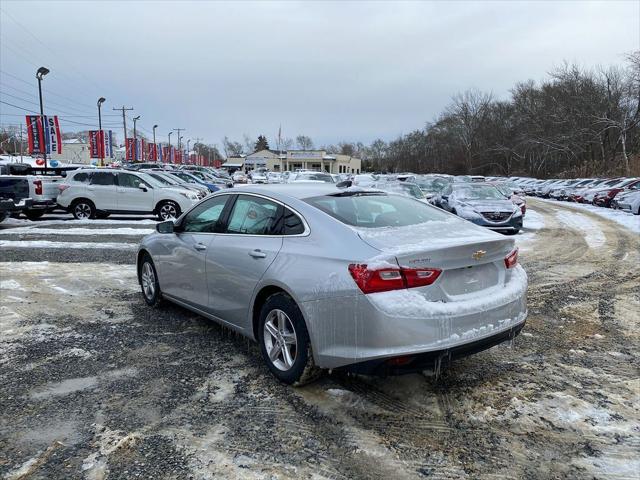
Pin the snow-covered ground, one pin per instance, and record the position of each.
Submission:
(626, 219)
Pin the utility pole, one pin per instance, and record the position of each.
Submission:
(179, 137)
(21, 143)
(124, 122)
(135, 139)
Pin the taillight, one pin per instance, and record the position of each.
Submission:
(511, 260)
(38, 185)
(385, 279)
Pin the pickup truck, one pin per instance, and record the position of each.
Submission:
(14, 195)
(42, 189)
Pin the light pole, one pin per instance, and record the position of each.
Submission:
(101, 100)
(155, 145)
(135, 139)
(188, 156)
(42, 71)
(169, 149)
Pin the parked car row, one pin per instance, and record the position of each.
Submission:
(621, 192)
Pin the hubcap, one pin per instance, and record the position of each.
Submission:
(280, 340)
(168, 211)
(148, 281)
(83, 210)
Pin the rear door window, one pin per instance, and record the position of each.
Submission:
(103, 178)
(82, 177)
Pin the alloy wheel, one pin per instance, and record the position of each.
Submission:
(148, 279)
(168, 211)
(82, 210)
(280, 340)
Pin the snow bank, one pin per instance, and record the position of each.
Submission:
(78, 231)
(50, 244)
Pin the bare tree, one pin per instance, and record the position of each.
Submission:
(304, 142)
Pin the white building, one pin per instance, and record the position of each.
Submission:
(302, 159)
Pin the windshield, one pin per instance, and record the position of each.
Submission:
(434, 185)
(163, 178)
(404, 188)
(318, 177)
(149, 179)
(478, 192)
(375, 210)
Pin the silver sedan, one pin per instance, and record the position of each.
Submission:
(328, 278)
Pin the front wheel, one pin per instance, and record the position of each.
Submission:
(284, 341)
(149, 282)
(168, 210)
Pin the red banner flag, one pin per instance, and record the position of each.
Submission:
(129, 146)
(35, 134)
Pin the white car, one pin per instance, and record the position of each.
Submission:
(274, 177)
(630, 202)
(91, 193)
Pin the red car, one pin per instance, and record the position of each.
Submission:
(603, 198)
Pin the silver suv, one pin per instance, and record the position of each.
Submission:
(91, 193)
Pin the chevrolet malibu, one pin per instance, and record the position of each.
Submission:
(329, 278)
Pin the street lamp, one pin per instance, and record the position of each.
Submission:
(155, 145)
(101, 100)
(169, 149)
(135, 139)
(42, 71)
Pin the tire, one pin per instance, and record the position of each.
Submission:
(168, 210)
(281, 323)
(83, 210)
(3, 215)
(148, 278)
(102, 215)
(34, 214)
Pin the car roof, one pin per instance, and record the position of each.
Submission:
(300, 191)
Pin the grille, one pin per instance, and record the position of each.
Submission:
(496, 216)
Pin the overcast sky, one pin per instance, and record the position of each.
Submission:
(330, 70)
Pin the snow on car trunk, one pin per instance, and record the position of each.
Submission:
(471, 259)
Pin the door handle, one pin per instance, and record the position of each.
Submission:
(200, 247)
(257, 253)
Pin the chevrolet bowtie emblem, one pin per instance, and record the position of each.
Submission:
(478, 254)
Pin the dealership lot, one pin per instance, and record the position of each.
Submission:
(96, 384)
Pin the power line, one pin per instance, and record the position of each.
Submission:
(46, 90)
(53, 52)
(20, 108)
(49, 102)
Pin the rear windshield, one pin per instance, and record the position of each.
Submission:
(377, 210)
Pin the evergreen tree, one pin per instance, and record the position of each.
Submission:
(261, 144)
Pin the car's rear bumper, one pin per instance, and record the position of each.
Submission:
(382, 326)
(433, 360)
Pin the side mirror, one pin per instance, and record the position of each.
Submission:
(444, 197)
(344, 184)
(165, 227)
(143, 187)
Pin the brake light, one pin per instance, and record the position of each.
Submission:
(385, 279)
(511, 260)
(38, 185)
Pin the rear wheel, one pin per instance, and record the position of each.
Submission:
(284, 341)
(83, 210)
(149, 282)
(168, 210)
